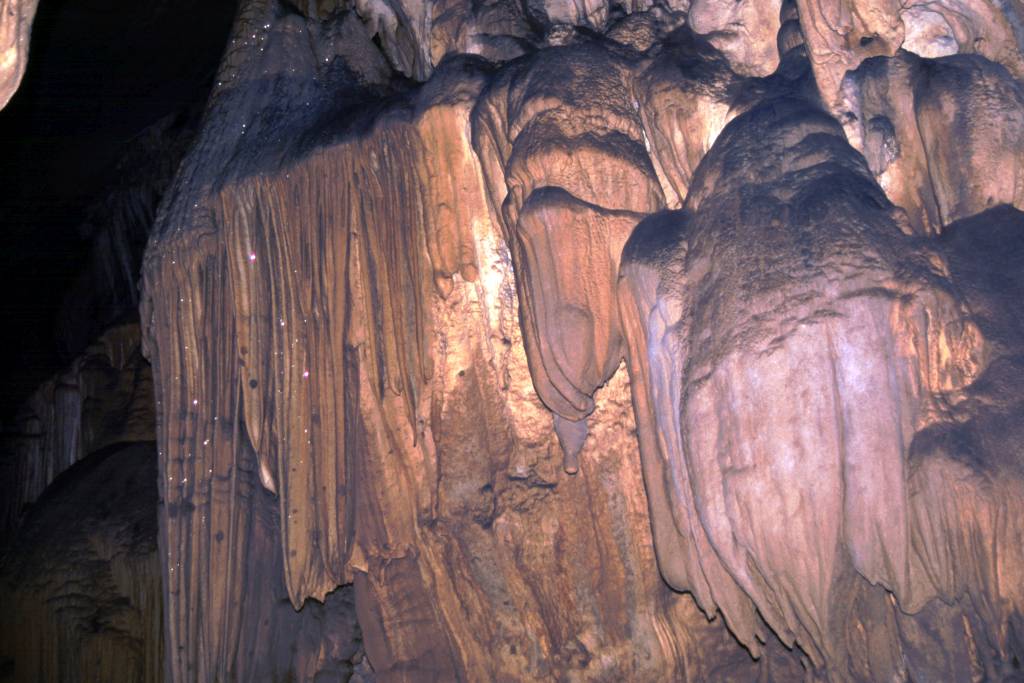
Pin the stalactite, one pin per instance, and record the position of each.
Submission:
(388, 322)
(104, 397)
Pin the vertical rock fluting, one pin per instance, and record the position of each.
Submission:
(339, 332)
(104, 397)
(387, 322)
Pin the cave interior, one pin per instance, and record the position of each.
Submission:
(512, 340)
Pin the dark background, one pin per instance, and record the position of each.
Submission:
(99, 73)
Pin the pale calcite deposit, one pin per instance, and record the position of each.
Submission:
(778, 279)
(944, 137)
(15, 30)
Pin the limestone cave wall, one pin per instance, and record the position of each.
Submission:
(596, 341)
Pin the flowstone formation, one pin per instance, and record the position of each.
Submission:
(597, 341)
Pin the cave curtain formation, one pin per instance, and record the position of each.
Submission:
(594, 341)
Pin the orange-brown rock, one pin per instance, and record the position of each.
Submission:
(989, 29)
(394, 421)
(561, 143)
(745, 32)
(944, 137)
(840, 35)
(685, 96)
(388, 323)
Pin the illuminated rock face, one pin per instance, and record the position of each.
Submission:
(15, 28)
(597, 332)
(791, 341)
(943, 136)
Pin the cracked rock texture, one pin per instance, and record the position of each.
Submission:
(596, 341)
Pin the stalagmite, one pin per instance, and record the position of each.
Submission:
(81, 585)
